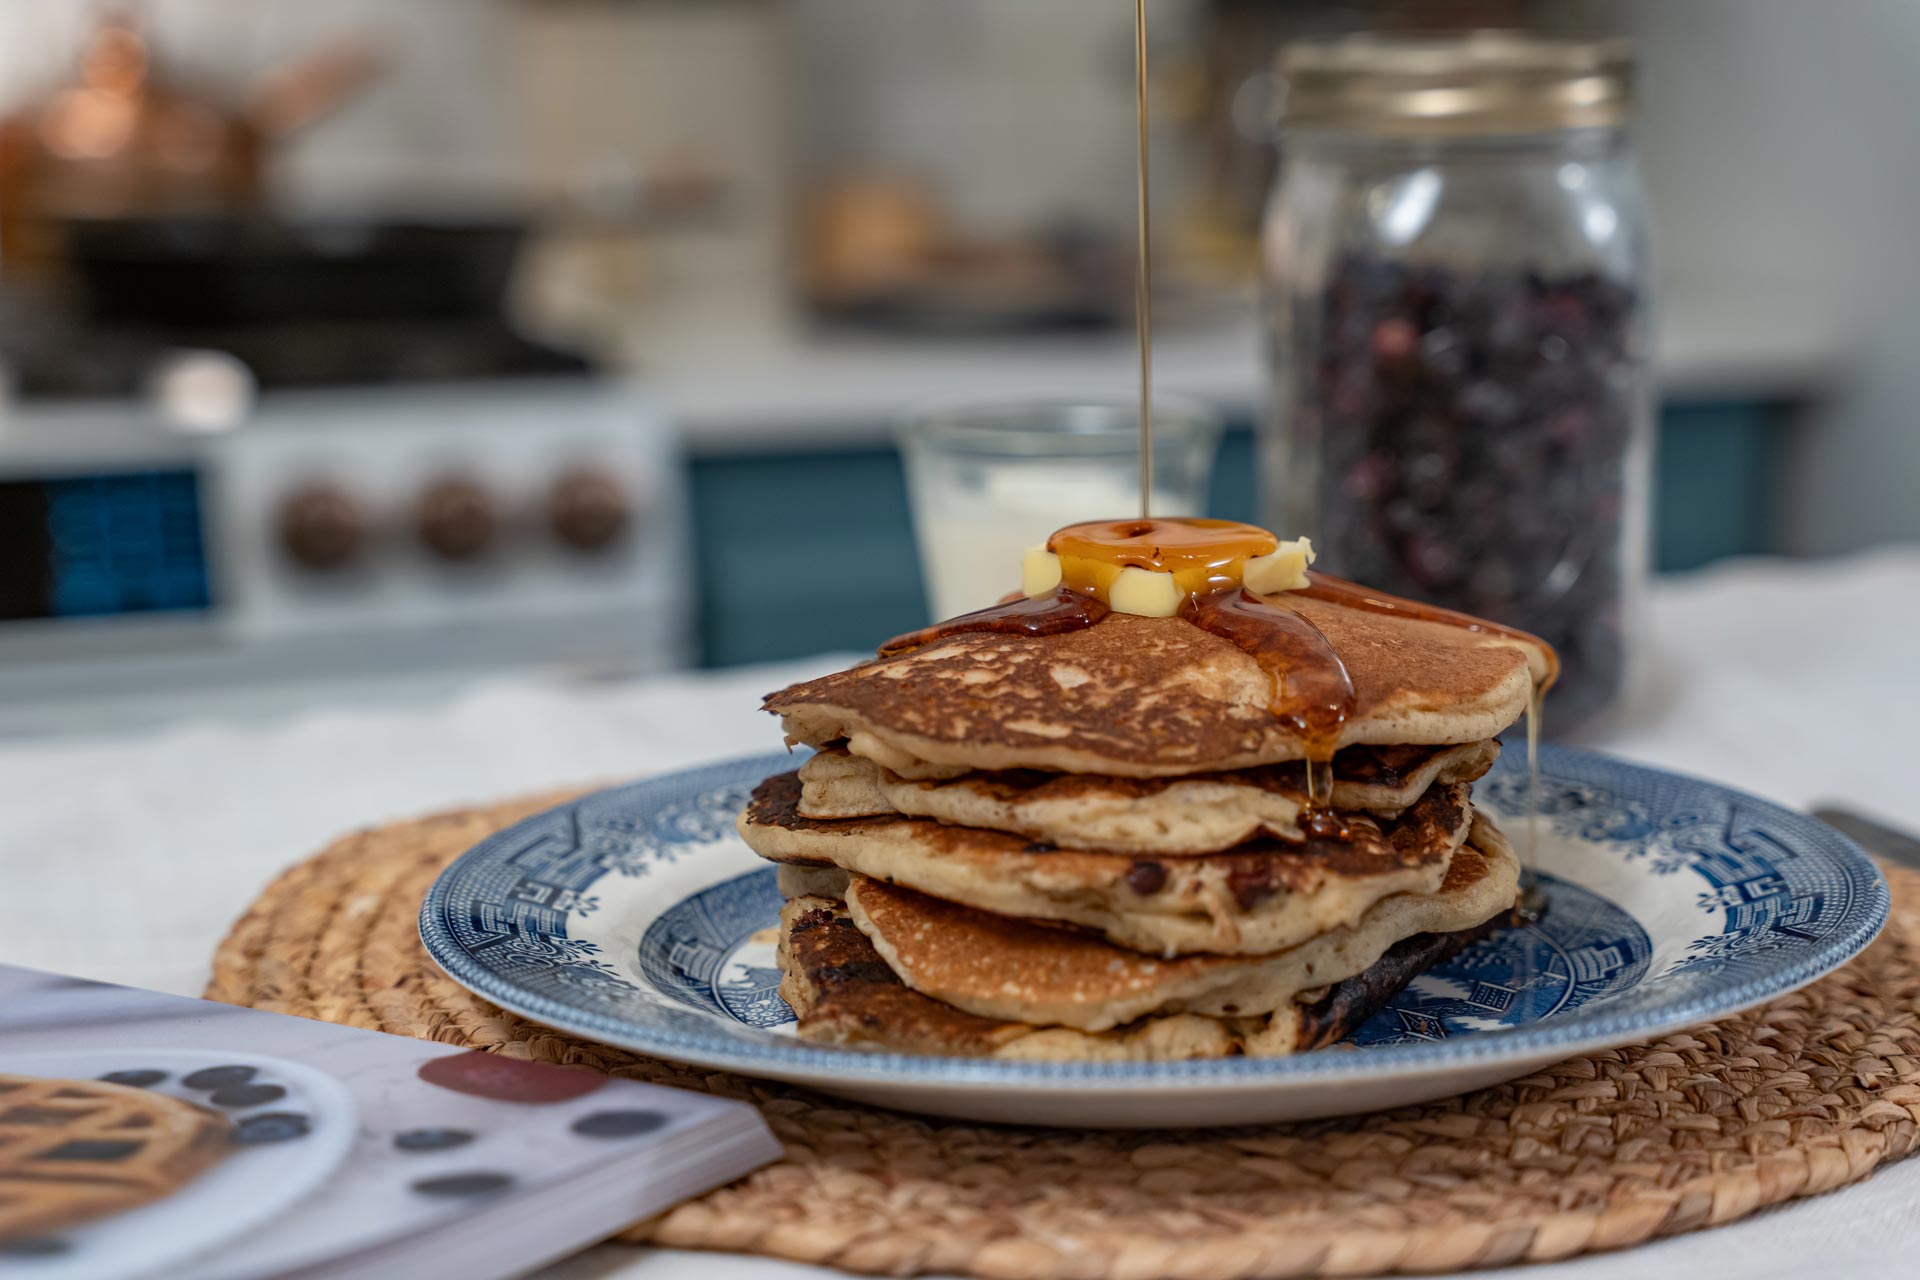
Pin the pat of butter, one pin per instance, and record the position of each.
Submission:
(1039, 572)
(1282, 570)
(1145, 592)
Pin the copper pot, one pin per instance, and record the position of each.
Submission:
(120, 140)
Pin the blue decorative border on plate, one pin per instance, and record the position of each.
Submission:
(1794, 900)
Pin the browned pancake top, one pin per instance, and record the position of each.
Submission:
(843, 990)
(948, 947)
(1427, 831)
(1160, 694)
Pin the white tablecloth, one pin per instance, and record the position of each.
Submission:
(125, 857)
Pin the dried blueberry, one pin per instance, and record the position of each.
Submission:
(464, 1184)
(618, 1124)
(432, 1139)
(218, 1077)
(271, 1126)
(144, 1078)
(246, 1095)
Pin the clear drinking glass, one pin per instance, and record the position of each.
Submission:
(989, 481)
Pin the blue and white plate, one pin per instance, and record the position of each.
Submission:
(637, 917)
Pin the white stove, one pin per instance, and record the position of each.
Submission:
(373, 539)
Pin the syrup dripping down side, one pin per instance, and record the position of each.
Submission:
(1312, 692)
(1320, 586)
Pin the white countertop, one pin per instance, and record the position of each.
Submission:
(742, 374)
(125, 856)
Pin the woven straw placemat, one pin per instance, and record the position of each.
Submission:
(1809, 1093)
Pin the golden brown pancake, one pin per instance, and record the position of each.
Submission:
(1152, 697)
(1262, 896)
(1000, 967)
(1196, 814)
(844, 994)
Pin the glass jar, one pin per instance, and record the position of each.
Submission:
(1457, 272)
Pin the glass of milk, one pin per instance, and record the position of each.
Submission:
(989, 481)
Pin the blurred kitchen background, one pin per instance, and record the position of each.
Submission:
(355, 349)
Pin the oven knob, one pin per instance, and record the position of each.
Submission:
(321, 527)
(588, 509)
(455, 518)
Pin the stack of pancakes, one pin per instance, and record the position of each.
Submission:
(1088, 845)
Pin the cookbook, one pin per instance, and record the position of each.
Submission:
(153, 1135)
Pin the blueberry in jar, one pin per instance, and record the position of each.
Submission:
(1483, 472)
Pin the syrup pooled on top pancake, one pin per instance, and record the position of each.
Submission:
(1138, 696)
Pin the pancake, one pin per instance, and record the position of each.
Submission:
(844, 994)
(1153, 697)
(1198, 814)
(1002, 968)
(1258, 897)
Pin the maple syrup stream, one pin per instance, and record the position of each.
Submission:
(1143, 267)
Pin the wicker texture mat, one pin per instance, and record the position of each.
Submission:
(1693, 1130)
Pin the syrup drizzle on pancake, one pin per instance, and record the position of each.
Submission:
(1339, 591)
(1312, 692)
(1313, 695)
(1352, 595)
(1064, 610)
